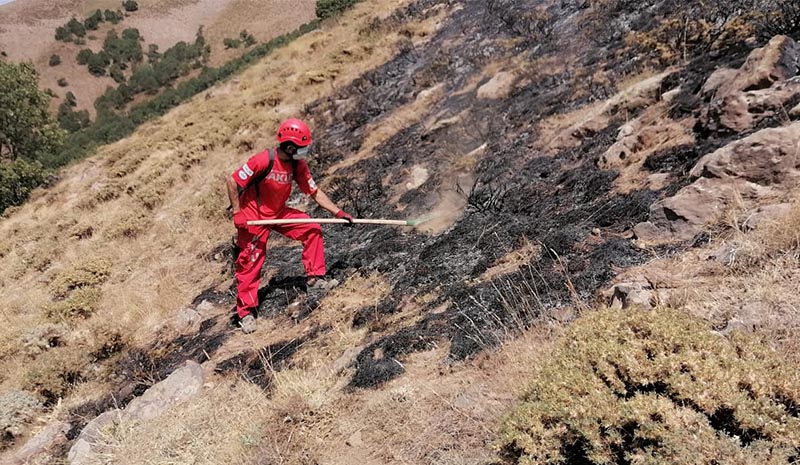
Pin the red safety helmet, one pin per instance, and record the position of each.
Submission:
(295, 131)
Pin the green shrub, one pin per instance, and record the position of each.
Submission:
(91, 272)
(62, 82)
(63, 34)
(17, 408)
(656, 387)
(76, 28)
(329, 8)
(17, 180)
(55, 60)
(247, 39)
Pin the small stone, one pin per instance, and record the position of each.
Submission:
(632, 294)
(355, 440)
(669, 96)
(89, 443)
(205, 306)
(345, 359)
(187, 318)
(498, 87)
(724, 255)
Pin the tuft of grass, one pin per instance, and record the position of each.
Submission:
(56, 372)
(90, 272)
(82, 302)
(129, 225)
(656, 387)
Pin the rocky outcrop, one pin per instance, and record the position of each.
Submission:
(757, 170)
(739, 99)
(182, 385)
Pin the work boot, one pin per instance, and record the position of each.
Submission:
(248, 324)
(319, 283)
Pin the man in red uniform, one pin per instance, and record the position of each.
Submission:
(259, 191)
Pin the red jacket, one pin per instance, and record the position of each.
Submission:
(266, 199)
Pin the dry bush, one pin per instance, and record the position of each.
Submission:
(82, 302)
(656, 387)
(16, 409)
(779, 17)
(151, 189)
(677, 39)
(56, 372)
(81, 231)
(42, 338)
(128, 164)
(90, 272)
(129, 224)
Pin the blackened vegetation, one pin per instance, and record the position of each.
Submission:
(258, 366)
(518, 194)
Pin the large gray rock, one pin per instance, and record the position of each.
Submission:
(756, 170)
(183, 384)
(46, 440)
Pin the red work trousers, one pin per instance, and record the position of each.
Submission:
(252, 242)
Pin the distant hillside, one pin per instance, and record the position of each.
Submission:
(27, 32)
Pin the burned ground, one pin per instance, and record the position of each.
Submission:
(562, 201)
(556, 200)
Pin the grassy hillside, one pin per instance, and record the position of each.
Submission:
(540, 136)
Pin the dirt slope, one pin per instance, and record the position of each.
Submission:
(539, 137)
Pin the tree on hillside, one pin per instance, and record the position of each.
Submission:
(144, 79)
(247, 38)
(97, 64)
(94, 20)
(113, 17)
(63, 34)
(115, 71)
(70, 99)
(76, 28)
(231, 43)
(55, 60)
(152, 53)
(130, 5)
(26, 128)
(84, 55)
